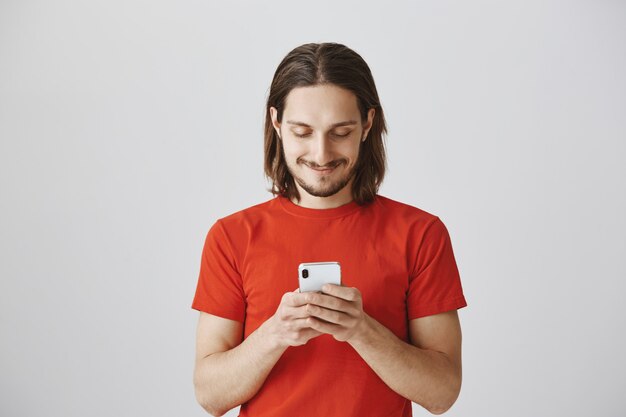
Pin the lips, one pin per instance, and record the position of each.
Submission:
(322, 171)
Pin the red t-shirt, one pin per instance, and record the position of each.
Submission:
(398, 256)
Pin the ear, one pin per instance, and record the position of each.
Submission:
(368, 125)
(275, 123)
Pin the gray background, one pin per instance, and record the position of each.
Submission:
(128, 127)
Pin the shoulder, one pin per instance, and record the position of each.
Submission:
(402, 212)
(233, 231)
(249, 216)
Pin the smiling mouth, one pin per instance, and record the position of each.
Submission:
(329, 167)
(323, 170)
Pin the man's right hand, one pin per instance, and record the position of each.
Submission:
(230, 370)
(288, 326)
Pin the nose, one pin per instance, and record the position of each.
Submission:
(322, 150)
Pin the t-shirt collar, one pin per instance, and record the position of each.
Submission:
(297, 210)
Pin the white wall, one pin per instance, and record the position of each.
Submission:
(128, 127)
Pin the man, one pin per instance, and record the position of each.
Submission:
(390, 334)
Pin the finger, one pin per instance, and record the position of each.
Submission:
(294, 313)
(322, 326)
(329, 316)
(299, 324)
(294, 299)
(345, 293)
(327, 301)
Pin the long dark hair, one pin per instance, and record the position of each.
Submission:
(327, 63)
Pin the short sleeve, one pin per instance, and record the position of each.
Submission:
(435, 284)
(219, 290)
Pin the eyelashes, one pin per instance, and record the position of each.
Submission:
(308, 134)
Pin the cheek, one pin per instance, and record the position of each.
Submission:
(350, 152)
(292, 150)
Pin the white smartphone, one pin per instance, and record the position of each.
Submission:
(313, 275)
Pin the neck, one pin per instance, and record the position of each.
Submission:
(336, 200)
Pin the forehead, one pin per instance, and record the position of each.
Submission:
(321, 105)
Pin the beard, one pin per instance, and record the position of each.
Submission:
(325, 187)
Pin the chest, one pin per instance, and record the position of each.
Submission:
(372, 259)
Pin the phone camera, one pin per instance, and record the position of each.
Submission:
(305, 273)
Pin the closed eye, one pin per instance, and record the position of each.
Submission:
(334, 134)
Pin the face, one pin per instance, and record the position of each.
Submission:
(321, 133)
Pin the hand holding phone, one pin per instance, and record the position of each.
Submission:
(313, 275)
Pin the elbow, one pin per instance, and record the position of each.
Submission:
(440, 408)
(210, 407)
(446, 402)
(214, 412)
(206, 402)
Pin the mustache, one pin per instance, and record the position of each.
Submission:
(331, 164)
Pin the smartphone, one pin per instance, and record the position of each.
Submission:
(313, 275)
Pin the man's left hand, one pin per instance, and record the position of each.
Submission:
(337, 311)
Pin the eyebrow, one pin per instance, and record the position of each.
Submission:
(346, 123)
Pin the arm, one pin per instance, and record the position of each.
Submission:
(427, 371)
(229, 371)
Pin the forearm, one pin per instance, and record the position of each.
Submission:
(224, 380)
(425, 377)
